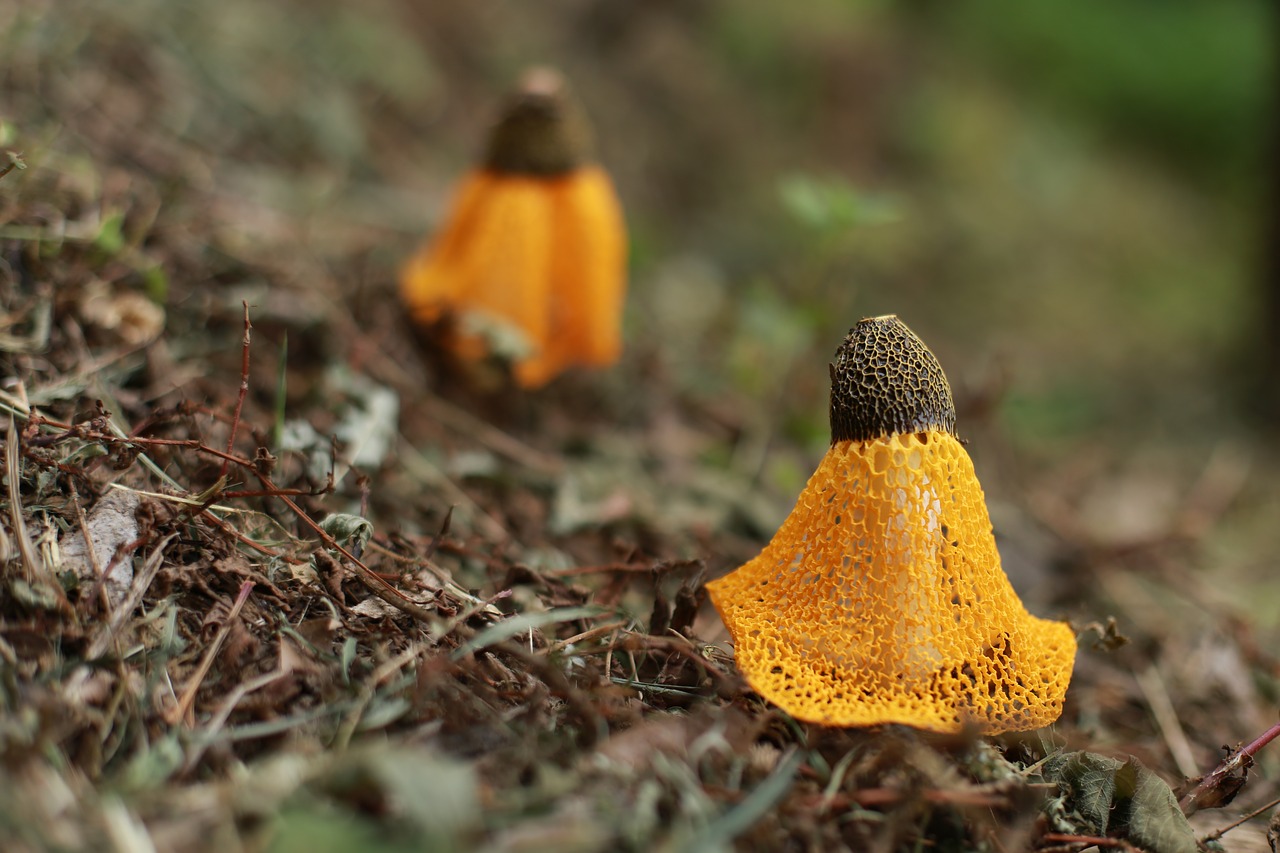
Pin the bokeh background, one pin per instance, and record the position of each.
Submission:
(1077, 205)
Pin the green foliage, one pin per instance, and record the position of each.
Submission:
(155, 283)
(111, 240)
(423, 803)
(321, 830)
(831, 205)
(718, 834)
(1060, 413)
(1189, 78)
(350, 531)
(1104, 796)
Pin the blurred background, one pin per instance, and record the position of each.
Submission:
(1076, 206)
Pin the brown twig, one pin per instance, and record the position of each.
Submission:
(15, 162)
(208, 515)
(34, 565)
(591, 634)
(367, 576)
(878, 797)
(1218, 833)
(91, 552)
(1090, 840)
(244, 389)
(724, 683)
(1207, 794)
(262, 493)
(180, 711)
(434, 544)
(371, 580)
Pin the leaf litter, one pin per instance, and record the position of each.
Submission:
(485, 630)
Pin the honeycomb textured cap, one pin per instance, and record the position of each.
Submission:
(885, 381)
(881, 599)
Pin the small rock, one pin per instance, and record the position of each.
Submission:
(112, 522)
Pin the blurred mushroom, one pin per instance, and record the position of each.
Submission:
(881, 598)
(531, 261)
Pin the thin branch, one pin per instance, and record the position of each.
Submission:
(1090, 840)
(106, 636)
(367, 576)
(244, 388)
(15, 162)
(1218, 833)
(1203, 794)
(34, 565)
(180, 711)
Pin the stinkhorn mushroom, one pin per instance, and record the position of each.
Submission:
(881, 599)
(531, 261)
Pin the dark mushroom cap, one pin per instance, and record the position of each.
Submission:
(542, 130)
(885, 381)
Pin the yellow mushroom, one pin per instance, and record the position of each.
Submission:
(881, 598)
(533, 251)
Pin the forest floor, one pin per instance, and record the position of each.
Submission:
(356, 602)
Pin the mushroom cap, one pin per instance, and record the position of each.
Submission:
(881, 599)
(542, 129)
(884, 381)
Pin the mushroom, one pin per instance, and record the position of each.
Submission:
(530, 263)
(881, 598)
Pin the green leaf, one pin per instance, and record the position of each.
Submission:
(1090, 785)
(383, 712)
(348, 657)
(110, 239)
(1127, 779)
(350, 531)
(737, 820)
(1121, 799)
(155, 283)
(37, 596)
(1155, 821)
(154, 765)
(318, 829)
(379, 798)
(831, 204)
